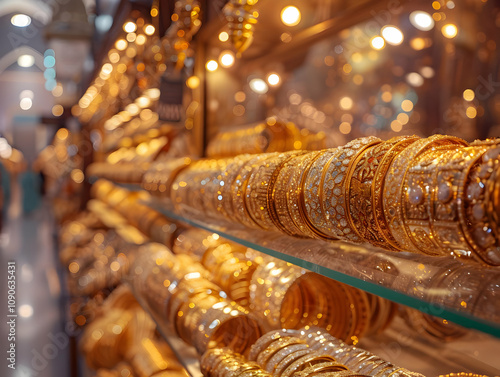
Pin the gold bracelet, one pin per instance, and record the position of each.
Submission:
(394, 187)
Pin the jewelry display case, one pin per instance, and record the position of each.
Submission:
(259, 178)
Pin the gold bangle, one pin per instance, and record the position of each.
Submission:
(479, 218)
(267, 339)
(334, 186)
(274, 347)
(433, 220)
(394, 188)
(308, 360)
(261, 184)
(272, 363)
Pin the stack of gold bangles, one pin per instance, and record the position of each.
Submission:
(270, 136)
(436, 196)
(304, 353)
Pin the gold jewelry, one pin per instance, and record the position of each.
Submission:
(394, 188)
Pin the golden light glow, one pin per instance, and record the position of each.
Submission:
(57, 110)
(377, 43)
(436, 5)
(387, 96)
(58, 90)
(392, 35)
(140, 40)
(240, 96)
(121, 44)
(129, 27)
(471, 112)
(346, 103)
(357, 57)
(223, 36)
(290, 15)
(258, 86)
(226, 58)
(422, 20)
(345, 128)
(273, 79)
(131, 37)
(62, 134)
(469, 95)
(212, 65)
(449, 30)
(347, 68)
(149, 30)
(77, 175)
(403, 118)
(193, 82)
(396, 126)
(107, 69)
(407, 105)
(415, 79)
(358, 79)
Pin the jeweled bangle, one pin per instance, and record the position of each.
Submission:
(274, 347)
(432, 218)
(479, 219)
(333, 188)
(394, 185)
(282, 353)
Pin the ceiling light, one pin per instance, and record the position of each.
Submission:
(377, 43)
(129, 27)
(223, 36)
(273, 79)
(422, 20)
(449, 31)
(26, 103)
(392, 35)
(226, 58)
(290, 15)
(258, 86)
(26, 61)
(20, 20)
(212, 65)
(149, 30)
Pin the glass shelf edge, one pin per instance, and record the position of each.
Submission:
(463, 319)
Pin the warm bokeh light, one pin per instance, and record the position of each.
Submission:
(129, 27)
(471, 112)
(149, 30)
(212, 65)
(414, 79)
(403, 118)
(223, 36)
(77, 175)
(290, 15)
(240, 96)
(193, 82)
(392, 35)
(345, 128)
(26, 311)
(346, 103)
(121, 44)
(57, 110)
(140, 40)
(469, 95)
(396, 126)
(422, 20)
(20, 20)
(449, 30)
(226, 58)
(427, 72)
(259, 86)
(407, 105)
(378, 43)
(273, 79)
(131, 37)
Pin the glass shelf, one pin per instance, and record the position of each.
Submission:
(464, 293)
